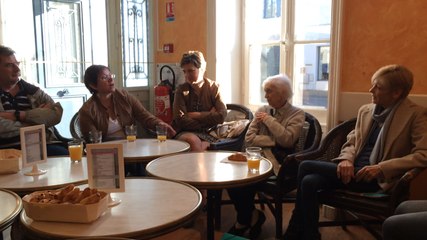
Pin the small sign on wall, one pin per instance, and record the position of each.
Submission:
(170, 11)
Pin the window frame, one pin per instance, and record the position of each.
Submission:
(327, 117)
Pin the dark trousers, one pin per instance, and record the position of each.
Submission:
(314, 176)
(243, 199)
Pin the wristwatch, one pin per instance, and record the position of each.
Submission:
(18, 115)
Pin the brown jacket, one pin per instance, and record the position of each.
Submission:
(93, 115)
(186, 100)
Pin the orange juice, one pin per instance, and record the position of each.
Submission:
(131, 138)
(161, 138)
(253, 164)
(75, 152)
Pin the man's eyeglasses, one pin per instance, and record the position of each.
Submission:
(107, 77)
(12, 64)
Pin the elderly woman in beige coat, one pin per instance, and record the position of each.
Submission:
(276, 128)
(390, 137)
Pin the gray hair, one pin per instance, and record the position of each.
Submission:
(6, 51)
(282, 82)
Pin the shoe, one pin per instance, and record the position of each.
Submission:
(242, 232)
(251, 232)
(256, 229)
(291, 235)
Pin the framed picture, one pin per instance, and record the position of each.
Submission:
(33, 145)
(106, 167)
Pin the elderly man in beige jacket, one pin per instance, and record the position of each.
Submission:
(390, 137)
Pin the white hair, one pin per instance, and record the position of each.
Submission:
(282, 82)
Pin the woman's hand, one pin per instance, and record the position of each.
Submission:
(170, 131)
(194, 115)
(260, 116)
(345, 171)
(368, 173)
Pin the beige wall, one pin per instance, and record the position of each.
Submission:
(187, 32)
(377, 33)
(380, 32)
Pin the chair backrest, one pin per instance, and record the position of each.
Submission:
(331, 145)
(235, 112)
(310, 136)
(75, 127)
(309, 141)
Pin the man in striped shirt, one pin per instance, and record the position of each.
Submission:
(23, 104)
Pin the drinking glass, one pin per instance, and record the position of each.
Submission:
(75, 148)
(130, 133)
(254, 158)
(161, 131)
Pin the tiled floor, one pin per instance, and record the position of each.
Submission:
(198, 229)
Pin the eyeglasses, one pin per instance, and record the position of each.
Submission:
(107, 77)
(12, 64)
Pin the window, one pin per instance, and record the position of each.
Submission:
(296, 43)
(56, 40)
(60, 43)
(323, 63)
(135, 43)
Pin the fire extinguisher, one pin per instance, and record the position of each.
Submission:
(163, 93)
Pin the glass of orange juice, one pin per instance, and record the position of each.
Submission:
(130, 133)
(254, 158)
(75, 148)
(161, 131)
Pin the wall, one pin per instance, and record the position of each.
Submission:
(377, 33)
(187, 32)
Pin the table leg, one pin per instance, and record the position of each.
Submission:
(210, 214)
(217, 208)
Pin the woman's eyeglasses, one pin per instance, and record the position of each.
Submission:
(107, 77)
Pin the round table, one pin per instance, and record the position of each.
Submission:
(149, 207)
(60, 173)
(147, 149)
(209, 170)
(11, 205)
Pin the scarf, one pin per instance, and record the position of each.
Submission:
(383, 118)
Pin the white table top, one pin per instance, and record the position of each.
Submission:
(149, 207)
(144, 150)
(60, 172)
(11, 205)
(207, 170)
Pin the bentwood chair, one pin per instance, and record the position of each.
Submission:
(354, 208)
(274, 192)
(75, 127)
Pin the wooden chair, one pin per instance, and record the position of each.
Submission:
(365, 209)
(274, 191)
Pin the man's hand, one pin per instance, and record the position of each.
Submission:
(345, 171)
(368, 173)
(8, 115)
